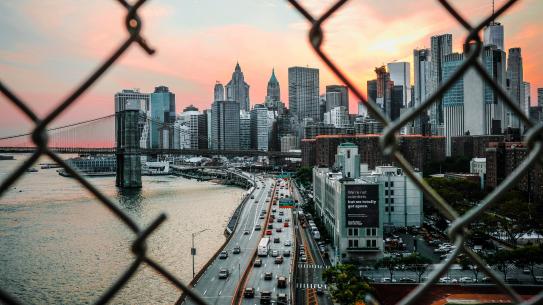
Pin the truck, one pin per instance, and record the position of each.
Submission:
(263, 246)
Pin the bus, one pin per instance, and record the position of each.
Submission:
(264, 246)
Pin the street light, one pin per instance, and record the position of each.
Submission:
(193, 250)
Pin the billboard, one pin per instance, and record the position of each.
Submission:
(362, 205)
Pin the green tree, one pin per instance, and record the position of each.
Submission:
(417, 263)
(389, 263)
(501, 260)
(514, 218)
(345, 285)
(305, 175)
(528, 257)
(467, 264)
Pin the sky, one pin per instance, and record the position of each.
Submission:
(47, 48)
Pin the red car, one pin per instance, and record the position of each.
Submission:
(285, 224)
(268, 232)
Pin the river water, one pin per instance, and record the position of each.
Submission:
(58, 245)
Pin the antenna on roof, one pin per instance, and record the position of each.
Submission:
(492, 22)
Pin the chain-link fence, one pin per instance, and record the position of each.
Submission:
(457, 230)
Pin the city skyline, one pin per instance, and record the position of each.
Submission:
(40, 82)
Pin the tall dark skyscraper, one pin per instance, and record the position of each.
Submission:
(514, 83)
(303, 92)
(540, 97)
(441, 45)
(238, 90)
(163, 116)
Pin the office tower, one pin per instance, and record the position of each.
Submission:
(273, 92)
(400, 74)
(225, 125)
(207, 114)
(337, 116)
(382, 89)
(238, 90)
(441, 45)
(422, 88)
(527, 97)
(453, 100)
(396, 101)
(218, 92)
(337, 95)
(515, 80)
(493, 35)
(540, 97)
(259, 128)
(303, 92)
(196, 121)
(371, 87)
(162, 117)
(244, 130)
(138, 100)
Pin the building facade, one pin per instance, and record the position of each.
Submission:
(441, 45)
(303, 93)
(400, 74)
(260, 130)
(244, 130)
(515, 80)
(162, 104)
(225, 125)
(238, 90)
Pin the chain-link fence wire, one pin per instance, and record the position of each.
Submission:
(457, 229)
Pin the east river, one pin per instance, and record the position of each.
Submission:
(59, 245)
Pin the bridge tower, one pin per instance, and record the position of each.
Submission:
(128, 145)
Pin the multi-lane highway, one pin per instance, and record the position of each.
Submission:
(217, 290)
(279, 243)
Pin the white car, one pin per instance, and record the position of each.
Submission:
(466, 279)
(445, 279)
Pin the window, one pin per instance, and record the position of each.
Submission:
(355, 242)
(386, 192)
(374, 243)
(391, 200)
(391, 184)
(386, 199)
(392, 208)
(371, 231)
(368, 243)
(386, 184)
(348, 153)
(391, 192)
(350, 243)
(386, 209)
(355, 232)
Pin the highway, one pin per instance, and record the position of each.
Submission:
(221, 291)
(256, 278)
(309, 275)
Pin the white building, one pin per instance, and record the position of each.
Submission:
(403, 199)
(260, 129)
(400, 74)
(337, 116)
(288, 143)
(478, 166)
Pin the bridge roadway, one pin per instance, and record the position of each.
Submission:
(256, 277)
(221, 291)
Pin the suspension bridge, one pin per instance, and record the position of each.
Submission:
(129, 134)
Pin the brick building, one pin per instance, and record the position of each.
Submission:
(417, 149)
(308, 151)
(472, 146)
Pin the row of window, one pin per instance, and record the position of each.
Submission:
(354, 231)
(370, 243)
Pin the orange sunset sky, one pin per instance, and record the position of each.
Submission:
(48, 47)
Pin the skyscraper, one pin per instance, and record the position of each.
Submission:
(134, 99)
(337, 95)
(422, 88)
(384, 90)
(244, 130)
(441, 45)
(238, 90)
(515, 80)
(273, 92)
(527, 97)
(162, 116)
(540, 97)
(218, 92)
(259, 128)
(453, 101)
(493, 35)
(303, 92)
(400, 74)
(225, 125)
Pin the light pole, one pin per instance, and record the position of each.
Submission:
(193, 250)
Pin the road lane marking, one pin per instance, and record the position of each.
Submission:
(205, 292)
(220, 292)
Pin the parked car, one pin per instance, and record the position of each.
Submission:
(249, 292)
(223, 255)
(406, 280)
(223, 273)
(466, 279)
(268, 276)
(270, 226)
(258, 262)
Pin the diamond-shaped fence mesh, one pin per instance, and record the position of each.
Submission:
(457, 230)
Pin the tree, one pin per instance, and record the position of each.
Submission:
(417, 263)
(528, 257)
(466, 263)
(514, 218)
(390, 263)
(346, 286)
(501, 260)
(305, 175)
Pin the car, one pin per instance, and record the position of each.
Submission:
(276, 240)
(263, 211)
(302, 253)
(270, 226)
(387, 280)
(249, 292)
(281, 282)
(526, 271)
(287, 243)
(275, 253)
(286, 219)
(286, 253)
(303, 258)
(261, 217)
(246, 232)
(268, 232)
(282, 299)
(265, 297)
(278, 229)
(258, 262)
(224, 273)
(285, 224)
(279, 219)
(320, 290)
(223, 255)
(279, 259)
(466, 279)
(236, 250)
(406, 280)
(274, 210)
(281, 213)
(268, 276)
(302, 247)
